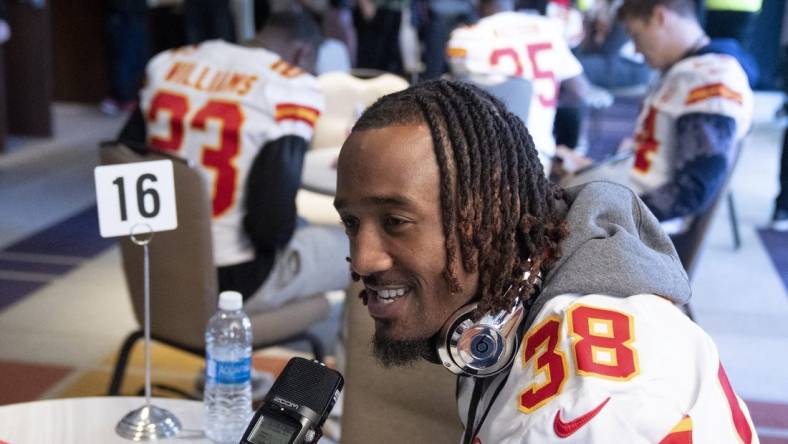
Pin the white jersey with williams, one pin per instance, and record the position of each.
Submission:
(513, 44)
(598, 369)
(710, 84)
(217, 104)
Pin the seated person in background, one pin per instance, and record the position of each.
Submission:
(337, 23)
(244, 115)
(505, 44)
(607, 54)
(564, 11)
(691, 120)
(450, 217)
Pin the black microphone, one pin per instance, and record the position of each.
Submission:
(294, 410)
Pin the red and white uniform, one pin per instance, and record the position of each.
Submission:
(710, 84)
(218, 104)
(513, 44)
(571, 19)
(602, 369)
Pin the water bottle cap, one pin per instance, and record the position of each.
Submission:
(230, 300)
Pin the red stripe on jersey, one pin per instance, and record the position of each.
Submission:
(714, 90)
(292, 111)
(678, 438)
(739, 420)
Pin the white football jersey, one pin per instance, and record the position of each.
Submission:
(571, 19)
(709, 83)
(513, 44)
(217, 104)
(598, 369)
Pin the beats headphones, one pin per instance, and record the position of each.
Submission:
(484, 347)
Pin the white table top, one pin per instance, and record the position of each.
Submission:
(90, 420)
(320, 171)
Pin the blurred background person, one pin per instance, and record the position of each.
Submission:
(780, 215)
(337, 23)
(441, 17)
(779, 220)
(127, 26)
(504, 44)
(607, 53)
(245, 115)
(378, 26)
(208, 19)
(693, 118)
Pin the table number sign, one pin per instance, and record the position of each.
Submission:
(135, 194)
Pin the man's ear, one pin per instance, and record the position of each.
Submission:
(659, 15)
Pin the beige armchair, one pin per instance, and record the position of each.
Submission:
(412, 404)
(346, 97)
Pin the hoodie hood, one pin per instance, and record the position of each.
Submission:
(615, 247)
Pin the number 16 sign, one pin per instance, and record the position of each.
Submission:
(130, 194)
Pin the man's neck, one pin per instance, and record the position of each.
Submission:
(689, 39)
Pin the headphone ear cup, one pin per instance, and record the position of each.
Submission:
(479, 348)
(453, 327)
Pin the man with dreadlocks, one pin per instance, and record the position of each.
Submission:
(449, 216)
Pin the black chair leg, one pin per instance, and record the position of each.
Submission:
(734, 221)
(123, 359)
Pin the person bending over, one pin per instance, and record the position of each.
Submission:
(244, 116)
(692, 119)
(450, 218)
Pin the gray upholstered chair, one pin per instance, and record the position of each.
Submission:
(514, 92)
(183, 281)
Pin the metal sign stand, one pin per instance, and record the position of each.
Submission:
(147, 422)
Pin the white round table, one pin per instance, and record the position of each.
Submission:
(90, 420)
(320, 171)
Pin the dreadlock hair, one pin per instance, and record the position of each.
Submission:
(496, 203)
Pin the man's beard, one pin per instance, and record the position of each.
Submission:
(398, 352)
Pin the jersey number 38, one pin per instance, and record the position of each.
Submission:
(601, 343)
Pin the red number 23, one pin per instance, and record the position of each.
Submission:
(219, 158)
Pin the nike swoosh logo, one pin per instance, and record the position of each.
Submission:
(565, 429)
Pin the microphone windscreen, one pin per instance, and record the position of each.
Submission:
(307, 384)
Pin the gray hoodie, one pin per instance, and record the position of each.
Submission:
(615, 247)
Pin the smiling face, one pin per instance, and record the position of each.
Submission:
(388, 197)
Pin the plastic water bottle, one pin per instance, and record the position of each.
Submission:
(228, 362)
